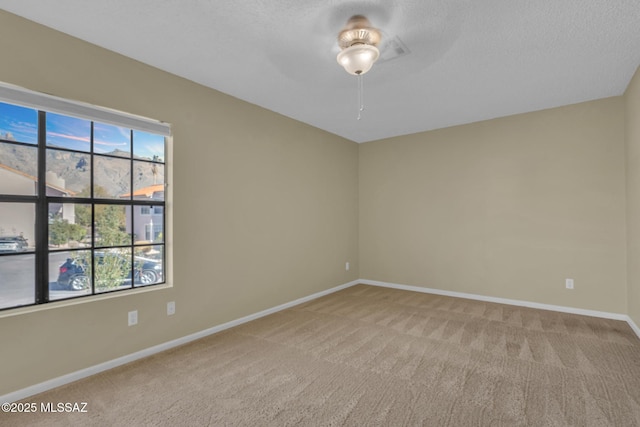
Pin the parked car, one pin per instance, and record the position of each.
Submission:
(72, 274)
(13, 244)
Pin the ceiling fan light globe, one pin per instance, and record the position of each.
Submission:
(358, 59)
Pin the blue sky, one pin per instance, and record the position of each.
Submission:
(20, 122)
(69, 132)
(75, 134)
(147, 145)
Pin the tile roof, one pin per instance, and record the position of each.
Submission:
(146, 191)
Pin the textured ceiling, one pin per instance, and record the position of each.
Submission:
(468, 60)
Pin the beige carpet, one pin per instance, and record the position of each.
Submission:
(370, 356)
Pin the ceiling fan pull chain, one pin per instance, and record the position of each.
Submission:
(360, 96)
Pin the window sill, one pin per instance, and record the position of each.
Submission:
(81, 300)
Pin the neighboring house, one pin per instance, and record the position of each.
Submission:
(21, 221)
(147, 220)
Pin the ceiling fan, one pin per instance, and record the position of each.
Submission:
(358, 42)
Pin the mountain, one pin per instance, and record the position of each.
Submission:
(112, 170)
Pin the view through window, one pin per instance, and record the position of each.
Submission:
(81, 207)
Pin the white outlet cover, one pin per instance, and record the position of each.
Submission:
(171, 308)
(569, 283)
(133, 317)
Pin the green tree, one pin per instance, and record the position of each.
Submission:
(111, 225)
(59, 232)
(115, 264)
(83, 215)
(111, 269)
(83, 212)
(111, 265)
(77, 232)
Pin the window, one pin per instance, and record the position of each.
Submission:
(81, 200)
(151, 210)
(157, 232)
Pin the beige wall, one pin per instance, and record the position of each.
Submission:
(265, 208)
(632, 97)
(506, 208)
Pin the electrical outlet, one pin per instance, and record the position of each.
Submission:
(569, 283)
(171, 308)
(346, 266)
(133, 317)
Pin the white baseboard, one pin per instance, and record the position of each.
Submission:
(559, 308)
(92, 370)
(635, 327)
